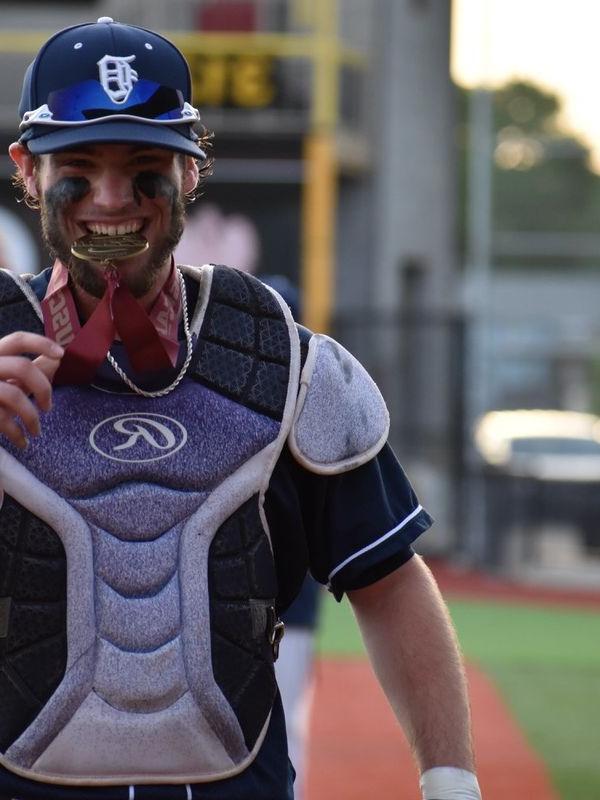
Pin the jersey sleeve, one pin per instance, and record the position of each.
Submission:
(357, 526)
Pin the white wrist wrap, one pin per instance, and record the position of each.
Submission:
(449, 783)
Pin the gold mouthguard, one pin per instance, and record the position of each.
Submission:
(106, 249)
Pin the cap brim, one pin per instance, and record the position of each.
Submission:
(113, 133)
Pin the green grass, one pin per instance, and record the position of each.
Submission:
(507, 633)
(338, 632)
(545, 662)
(558, 708)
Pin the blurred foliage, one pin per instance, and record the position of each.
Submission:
(542, 178)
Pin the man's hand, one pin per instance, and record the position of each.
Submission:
(25, 385)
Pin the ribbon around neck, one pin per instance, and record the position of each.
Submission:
(150, 338)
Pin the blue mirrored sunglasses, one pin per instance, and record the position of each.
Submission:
(88, 102)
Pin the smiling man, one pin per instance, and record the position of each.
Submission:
(174, 454)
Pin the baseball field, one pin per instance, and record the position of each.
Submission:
(533, 661)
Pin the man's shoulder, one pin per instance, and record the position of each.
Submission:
(246, 346)
(13, 284)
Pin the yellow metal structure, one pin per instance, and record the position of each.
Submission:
(319, 206)
(319, 202)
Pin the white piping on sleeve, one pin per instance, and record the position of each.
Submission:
(377, 542)
(132, 793)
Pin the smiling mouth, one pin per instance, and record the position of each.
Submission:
(109, 247)
(115, 229)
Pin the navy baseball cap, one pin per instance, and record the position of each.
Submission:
(107, 82)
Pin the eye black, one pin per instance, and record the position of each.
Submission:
(67, 191)
(152, 184)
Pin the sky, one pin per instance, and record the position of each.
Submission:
(555, 43)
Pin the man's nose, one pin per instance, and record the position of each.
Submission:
(113, 189)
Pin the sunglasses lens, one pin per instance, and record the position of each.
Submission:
(88, 101)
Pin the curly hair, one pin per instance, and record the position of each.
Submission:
(19, 184)
(205, 168)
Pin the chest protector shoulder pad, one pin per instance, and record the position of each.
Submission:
(341, 420)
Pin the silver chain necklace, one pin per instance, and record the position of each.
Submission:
(188, 340)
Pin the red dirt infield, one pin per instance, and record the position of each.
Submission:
(358, 752)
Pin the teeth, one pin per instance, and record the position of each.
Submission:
(133, 226)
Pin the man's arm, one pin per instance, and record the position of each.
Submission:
(414, 652)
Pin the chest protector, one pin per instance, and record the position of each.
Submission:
(137, 582)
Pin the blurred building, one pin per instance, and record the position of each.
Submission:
(333, 123)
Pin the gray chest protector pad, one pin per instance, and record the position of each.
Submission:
(137, 582)
(341, 420)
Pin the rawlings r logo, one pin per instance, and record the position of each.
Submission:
(138, 437)
(117, 77)
(138, 426)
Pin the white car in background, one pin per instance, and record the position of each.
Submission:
(540, 467)
(547, 445)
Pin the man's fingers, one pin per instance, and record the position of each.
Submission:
(28, 377)
(12, 430)
(14, 403)
(20, 342)
(47, 365)
(23, 381)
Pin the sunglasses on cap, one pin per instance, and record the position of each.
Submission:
(87, 102)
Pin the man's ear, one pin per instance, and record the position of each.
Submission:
(190, 174)
(26, 166)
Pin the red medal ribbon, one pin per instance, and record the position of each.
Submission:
(150, 339)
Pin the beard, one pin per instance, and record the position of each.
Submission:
(89, 279)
